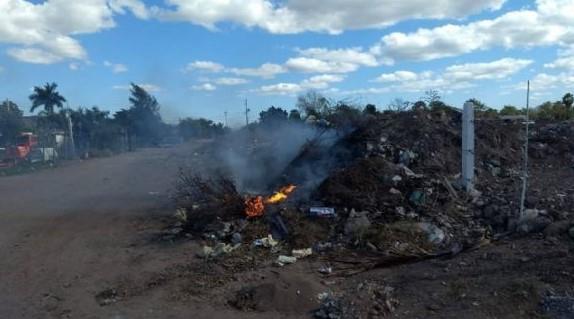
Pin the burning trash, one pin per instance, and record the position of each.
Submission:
(255, 206)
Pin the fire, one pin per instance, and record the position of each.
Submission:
(281, 195)
(255, 206)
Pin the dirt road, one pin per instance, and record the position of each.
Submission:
(66, 232)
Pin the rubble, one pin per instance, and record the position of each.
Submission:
(391, 194)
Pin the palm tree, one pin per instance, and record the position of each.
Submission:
(46, 96)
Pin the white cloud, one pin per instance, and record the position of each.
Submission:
(207, 66)
(230, 81)
(312, 65)
(294, 16)
(204, 87)
(397, 76)
(266, 71)
(544, 26)
(564, 62)
(453, 78)
(152, 88)
(43, 32)
(499, 69)
(116, 67)
(319, 82)
(349, 55)
(34, 55)
(544, 82)
(280, 89)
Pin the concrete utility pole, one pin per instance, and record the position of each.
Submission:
(72, 144)
(525, 153)
(225, 114)
(468, 146)
(247, 110)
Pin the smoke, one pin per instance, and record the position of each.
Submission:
(264, 157)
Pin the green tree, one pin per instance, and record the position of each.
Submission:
(399, 105)
(190, 128)
(11, 122)
(94, 129)
(272, 116)
(48, 96)
(294, 115)
(370, 109)
(431, 97)
(143, 119)
(313, 103)
(510, 110)
(568, 100)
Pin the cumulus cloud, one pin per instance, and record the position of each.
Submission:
(294, 16)
(230, 81)
(318, 82)
(116, 67)
(549, 24)
(42, 32)
(152, 88)
(207, 66)
(312, 65)
(266, 71)
(499, 69)
(452, 78)
(204, 87)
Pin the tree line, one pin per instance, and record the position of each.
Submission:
(137, 125)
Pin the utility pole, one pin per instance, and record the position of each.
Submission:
(247, 110)
(225, 114)
(468, 146)
(525, 153)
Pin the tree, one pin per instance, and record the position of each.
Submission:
(370, 109)
(11, 122)
(419, 106)
(294, 115)
(479, 106)
(189, 128)
(399, 105)
(552, 111)
(143, 119)
(47, 96)
(313, 103)
(431, 97)
(94, 130)
(510, 110)
(273, 115)
(568, 100)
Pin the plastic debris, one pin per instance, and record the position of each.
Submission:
(285, 260)
(267, 242)
(327, 212)
(302, 253)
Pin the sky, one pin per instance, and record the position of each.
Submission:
(202, 58)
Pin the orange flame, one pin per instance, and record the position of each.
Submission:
(255, 206)
(281, 195)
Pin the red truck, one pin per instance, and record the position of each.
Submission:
(21, 150)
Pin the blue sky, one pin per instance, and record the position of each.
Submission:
(204, 57)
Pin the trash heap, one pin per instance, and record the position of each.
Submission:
(391, 187)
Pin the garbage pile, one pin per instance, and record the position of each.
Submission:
(390, 187)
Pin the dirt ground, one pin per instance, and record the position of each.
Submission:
(81, 241)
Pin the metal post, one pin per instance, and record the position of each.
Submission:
(468, 146)
(525, 153)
